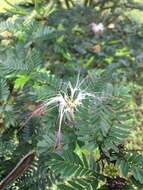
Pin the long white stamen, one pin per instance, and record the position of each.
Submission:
(67, 104)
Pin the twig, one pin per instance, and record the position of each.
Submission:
(138, 6)
(19, 169)
(134, 150)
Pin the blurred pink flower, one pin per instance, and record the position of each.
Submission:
(97, 28)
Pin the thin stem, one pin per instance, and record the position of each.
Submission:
(18, 170)
(67, 4)
(86, 3)
(134, 150)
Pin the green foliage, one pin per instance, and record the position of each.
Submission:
(4, 90)
(75, 171)
(47, 50)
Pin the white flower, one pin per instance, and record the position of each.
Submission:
(67, 101)
(97, 28)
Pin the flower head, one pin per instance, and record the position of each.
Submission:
(67, 101)
(97, 28)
